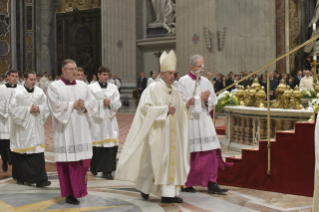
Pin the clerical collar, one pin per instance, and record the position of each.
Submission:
(103, 85)
(192, 75)
(29, 90)
(11, 86)
(67, 82)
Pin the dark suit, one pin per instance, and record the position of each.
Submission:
(217, 85)
(141, 83)
(229, 82)
(272, 87)
(297, 80)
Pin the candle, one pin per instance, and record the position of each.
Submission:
(315, 57)
(314, 27)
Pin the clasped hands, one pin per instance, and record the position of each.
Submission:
(34, 109)
(106, 102)
(79, 104)
(205, 95)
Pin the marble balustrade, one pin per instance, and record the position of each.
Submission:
(246, 126)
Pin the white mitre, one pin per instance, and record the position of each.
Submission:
(168, 61)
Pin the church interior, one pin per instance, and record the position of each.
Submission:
(261, 64)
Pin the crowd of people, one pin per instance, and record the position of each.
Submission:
(302, 79)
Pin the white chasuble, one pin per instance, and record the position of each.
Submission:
(156, 151)
(5, 120)
(71, 127)
(202, 133)
(27, 129)
(105, 130)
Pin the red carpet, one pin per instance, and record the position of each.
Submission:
(292, 164)
(221, 130)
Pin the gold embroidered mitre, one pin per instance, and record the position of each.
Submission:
(168, 61)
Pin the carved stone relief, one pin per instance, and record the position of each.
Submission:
(69, 5)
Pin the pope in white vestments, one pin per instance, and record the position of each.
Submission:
(28, 109)
(156, 152)
(204, 143)
(306, 82)
(72, 106)
(105, 130)
(5, 120)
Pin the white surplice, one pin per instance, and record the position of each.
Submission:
(105, 130)
(176, 84)
(202, 133)
(71, 127)
(152, 156)
(5, 120)
(43, 81)
(27, 129)
(46, 86)
(150, 81)
(116, 82)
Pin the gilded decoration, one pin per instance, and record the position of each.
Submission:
(69, 5)
(29, 40)
(4, 5)
(4, 48)
(4, 28)
(4, 66)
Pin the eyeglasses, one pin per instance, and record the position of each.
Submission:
(201, 66)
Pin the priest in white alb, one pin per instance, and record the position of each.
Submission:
(156, 152)
(72, 105)
(105, 130)
(203, 141)
(28, 109)
(5, 120)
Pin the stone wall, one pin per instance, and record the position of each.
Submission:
(250, 40)
(119, 34)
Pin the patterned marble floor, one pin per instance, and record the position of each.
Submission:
(121, 196)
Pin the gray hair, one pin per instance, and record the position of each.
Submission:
(192, 59)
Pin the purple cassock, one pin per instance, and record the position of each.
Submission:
(73, 178)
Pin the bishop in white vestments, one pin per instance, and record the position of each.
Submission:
(105, 130)
(156, 152)
(72, 105)
(28, 109)
(5, 120)
(203, 141)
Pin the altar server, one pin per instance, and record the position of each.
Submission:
(5, 120)
(156, 152)
(152, 78)
(28, 109)
(203, 140)
(104, 128)
(72, 105)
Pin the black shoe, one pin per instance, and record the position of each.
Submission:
(108, 176)
(19, 182)
(94, 172)
(172, 200)
(43, 184)
(145, 196)
(72, 200)
(190, 189)
(214, 188)
(5, 167)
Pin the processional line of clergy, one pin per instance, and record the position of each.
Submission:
(172, 143)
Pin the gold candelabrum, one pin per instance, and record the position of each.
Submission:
(296, 96)
(261, 97)
(256, 85)
(280, 90)
(247, 96)
(241, 94)
(286, 96)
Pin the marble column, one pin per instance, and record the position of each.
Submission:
(45, 36)
(280, 34)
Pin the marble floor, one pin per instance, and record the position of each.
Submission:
(120, 196)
